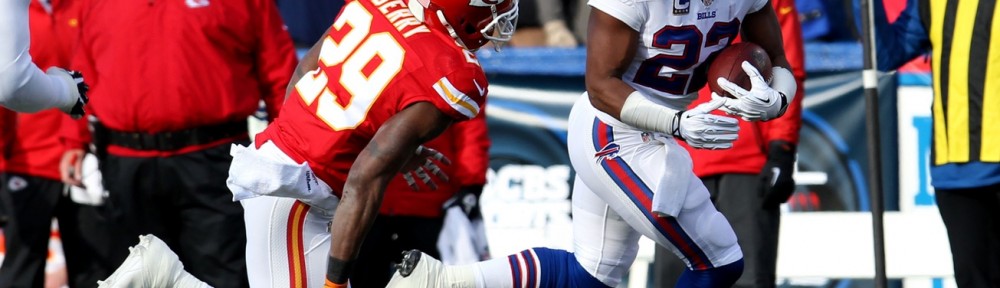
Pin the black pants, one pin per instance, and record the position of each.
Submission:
(972, 218)
(388, 238)
(740, 198)
(183, 200)
(84, 231)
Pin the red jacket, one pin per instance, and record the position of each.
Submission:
(467, 144)
(32, 140)
(159, 65)
(749, 152)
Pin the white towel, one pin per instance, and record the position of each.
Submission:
(93, 192)
(269, 172)
(670, 193)
(462, 241)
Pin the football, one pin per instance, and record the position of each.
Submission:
(728, 64)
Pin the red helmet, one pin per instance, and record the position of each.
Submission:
(472, 22)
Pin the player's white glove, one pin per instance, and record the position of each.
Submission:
(706, 131)
(421, 164)
(760, 103)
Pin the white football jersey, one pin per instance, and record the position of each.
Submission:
(675, 38)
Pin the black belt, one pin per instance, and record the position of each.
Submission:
(176, 140)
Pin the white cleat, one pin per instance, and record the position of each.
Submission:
(150, 264)
(419, 270)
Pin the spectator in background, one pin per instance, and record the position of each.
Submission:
(173, 83)
(307, 20)
(965, 153)
(750, 181)
(555, 24)
(412, 219)
(29, 169)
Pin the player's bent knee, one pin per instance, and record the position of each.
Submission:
(717, 230)
(713, 226)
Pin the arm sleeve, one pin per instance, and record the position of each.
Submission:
(902, 40)
(472, 142)
(786, 128)
(275, 57)
(24, 87)
(626, 11)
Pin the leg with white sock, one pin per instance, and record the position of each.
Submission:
(535, 267)
(623, 176)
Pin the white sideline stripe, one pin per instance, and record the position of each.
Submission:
(527, 119)
(839, 245)
(556, 97)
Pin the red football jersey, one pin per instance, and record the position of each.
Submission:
(376, 60)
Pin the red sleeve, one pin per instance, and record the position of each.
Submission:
(786, 128)
(472, 147)
(74, 133)
(275, 56)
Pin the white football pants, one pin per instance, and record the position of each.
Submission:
(619, 169)
(288, 241)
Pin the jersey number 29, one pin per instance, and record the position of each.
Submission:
(354, 53)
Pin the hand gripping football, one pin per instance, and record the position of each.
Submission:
(728, 65)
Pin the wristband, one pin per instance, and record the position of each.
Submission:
(329, 284)
(646, 115)
(338, 271)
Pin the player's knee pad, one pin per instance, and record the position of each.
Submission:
(723, 276)
(559, 268)
(717, 230)
(712, 225)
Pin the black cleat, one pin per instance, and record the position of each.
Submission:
(410, 260)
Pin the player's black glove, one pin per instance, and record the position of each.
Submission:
(777, 173)
(74, 78)
(467, 198)
(77, 111)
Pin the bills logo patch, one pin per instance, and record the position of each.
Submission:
(609, 152)
(484, 3)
